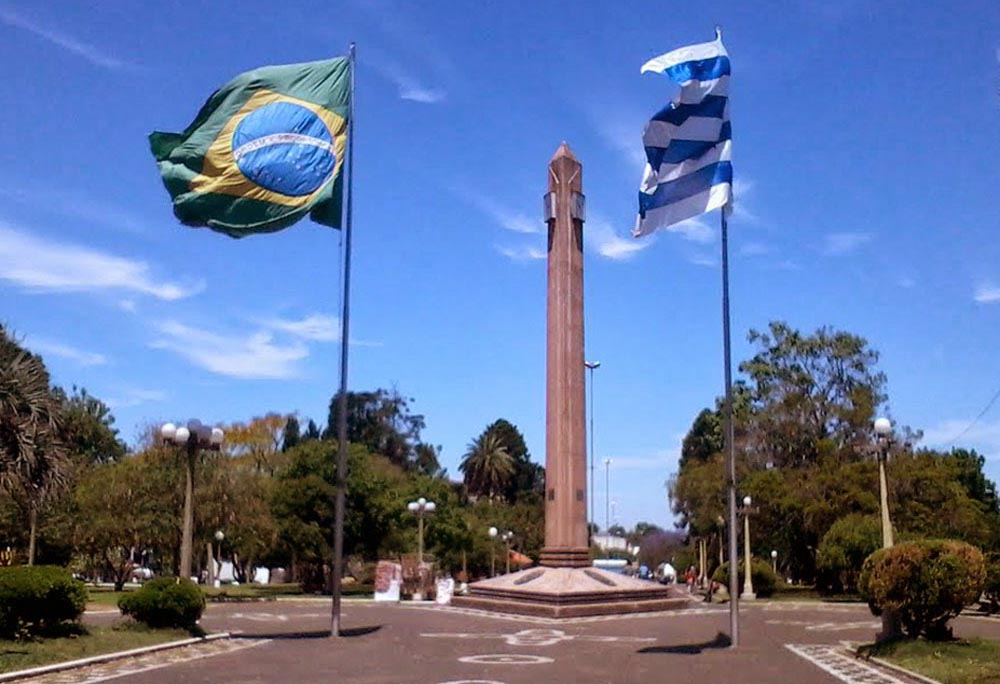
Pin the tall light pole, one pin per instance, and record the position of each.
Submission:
(883, 432)
(216, 560)
(506, 537)
(420, 507)
(747, 581)
(774, 561)
(194, 438)
(591, 366)
(883, 440)
(607, 495)
(493, 551)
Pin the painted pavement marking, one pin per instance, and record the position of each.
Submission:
(687, 612)
(827, 626)
(473, 681)
(102, 672)
(273, 617)
(540, 637)
(833, 660)
(506, 659)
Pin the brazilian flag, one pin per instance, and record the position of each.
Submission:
(267, 148)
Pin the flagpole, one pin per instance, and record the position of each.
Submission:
(340, 477)
(727, 422)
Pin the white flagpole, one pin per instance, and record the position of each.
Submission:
(340, 478)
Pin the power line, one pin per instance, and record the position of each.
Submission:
(975, 420)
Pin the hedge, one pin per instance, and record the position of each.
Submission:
(764, 579)
(924, 583)
(35, 600)
(165, 602)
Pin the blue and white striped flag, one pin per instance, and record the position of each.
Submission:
(688, 146)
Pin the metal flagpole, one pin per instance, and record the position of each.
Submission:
(340, 477)
(727, 419)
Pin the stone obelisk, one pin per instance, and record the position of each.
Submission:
(565, 412)
(566, 585)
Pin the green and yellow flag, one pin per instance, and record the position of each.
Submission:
(266, 149)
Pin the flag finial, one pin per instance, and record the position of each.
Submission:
(718, 32)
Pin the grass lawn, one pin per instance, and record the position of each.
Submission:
(787, 592)
(976, 661)
(18, 655)
(103, 598)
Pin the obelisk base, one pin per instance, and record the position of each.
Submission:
(565, 558)
(570, 592)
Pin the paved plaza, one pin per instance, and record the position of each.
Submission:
(283, 642)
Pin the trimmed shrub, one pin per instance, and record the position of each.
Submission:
(924, 583)
(165, 602)
(35, 600)
(991, 590)
(843, 551)
(764, 580)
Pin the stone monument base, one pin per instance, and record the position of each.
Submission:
(570, 592)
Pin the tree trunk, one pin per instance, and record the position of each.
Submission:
(33, 534)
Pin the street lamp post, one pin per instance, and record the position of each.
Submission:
(591, 366)
(774, 561)
(217, 555)
(194, 438)
(883, 432)
(607, 495)
(883, 440)
(493, 551)
(420, 507)
(506, 537)
(747, 581)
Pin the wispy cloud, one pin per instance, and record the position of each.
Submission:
(987, 293)
(839, 244)
(64, 351)
(522, 253)
(48, 266)
(75, 205)
(983, 436)
(503, 216)
(410, 88)
(316, 327)
(600, 235)
(623, 134)
(703, 259)
(908, 283)
(753, 249)
(134, 397)
(245, 356)
(90, 53)
(694, 230)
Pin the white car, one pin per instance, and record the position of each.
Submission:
(666, 574)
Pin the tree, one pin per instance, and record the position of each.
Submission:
(312, 431)
(844, 548)
(809, 388)
(381, 421)
(528, 477)
(33, 457)
(88, 428)
(258, 441)
(487, 467)
(291, 435)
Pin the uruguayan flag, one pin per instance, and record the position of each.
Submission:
(688, 146)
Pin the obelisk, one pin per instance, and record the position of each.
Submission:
(565, 413)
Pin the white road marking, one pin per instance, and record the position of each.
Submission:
(506, 659)
(539, 637)
(103, 672)
(847, 669)
(473, 681)
(688, 612)
(827, 626)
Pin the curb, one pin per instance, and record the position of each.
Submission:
(106, 657)
(894, 668)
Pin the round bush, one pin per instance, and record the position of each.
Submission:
(924, 583)
(843, 551)
(764, 580)
(34, 600)
(165, 602)
(991, 590)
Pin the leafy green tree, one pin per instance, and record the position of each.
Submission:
(312, 431)
(88, 428)
(292, 433)
(528, 477)
(844, 548)
(487, 467)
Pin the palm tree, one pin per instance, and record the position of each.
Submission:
(487, 466)
(33, 459)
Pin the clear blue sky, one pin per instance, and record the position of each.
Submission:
(865, 146)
